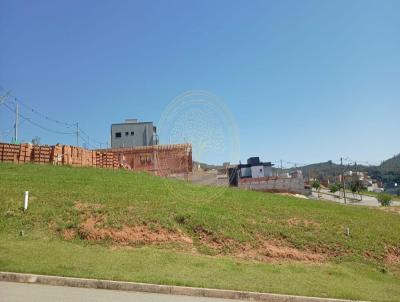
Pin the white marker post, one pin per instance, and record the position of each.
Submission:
(26, 200)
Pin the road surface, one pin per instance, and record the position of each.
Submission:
(22, 292)
(366, 200)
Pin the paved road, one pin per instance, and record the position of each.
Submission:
(366, 200)
(21, 292)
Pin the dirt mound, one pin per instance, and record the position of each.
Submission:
(92, 229)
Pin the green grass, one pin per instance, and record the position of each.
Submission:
(374, 194)
(129, 198)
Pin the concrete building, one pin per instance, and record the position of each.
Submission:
(133, 133)
(255, 169)
(256, 175)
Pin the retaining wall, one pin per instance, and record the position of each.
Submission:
(274, 184)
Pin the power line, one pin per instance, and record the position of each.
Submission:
(37, 124)
(15, 100)
(91, 139)
(68, 125)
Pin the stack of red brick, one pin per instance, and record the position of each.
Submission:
(160, 160)
(9, 153)
(41, 154)
(57, 155)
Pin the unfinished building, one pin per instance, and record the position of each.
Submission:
(161, 160)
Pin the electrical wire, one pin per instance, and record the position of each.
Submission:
(17, 100)
(37, 124)
(68, 125)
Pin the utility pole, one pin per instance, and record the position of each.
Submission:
(343, 182)
(281, 168)
(77, 134)
(16, 123)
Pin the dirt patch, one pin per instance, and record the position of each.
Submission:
(393, 209)
(261, 250)
(69, 234)
(295, 221)
(275, 250)
(392, 255)
(92, 229)
(211, 240)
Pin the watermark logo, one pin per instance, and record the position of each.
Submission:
(203, 120)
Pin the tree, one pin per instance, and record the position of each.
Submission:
(384, 199)
(316, 185)
(36, 140)
(356, 187)
(333, 188)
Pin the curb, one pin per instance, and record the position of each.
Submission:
(158, 289)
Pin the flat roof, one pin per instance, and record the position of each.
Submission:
(131, 123)
(268, 164)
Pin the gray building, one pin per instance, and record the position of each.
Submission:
(133, 133)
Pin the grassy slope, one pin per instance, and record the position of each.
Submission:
(238, 215)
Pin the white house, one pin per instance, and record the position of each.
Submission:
(255, 169)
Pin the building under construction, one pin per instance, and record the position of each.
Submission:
(162, 160)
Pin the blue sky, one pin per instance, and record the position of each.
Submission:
(306, 81)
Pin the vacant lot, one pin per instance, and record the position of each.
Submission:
(122, 225)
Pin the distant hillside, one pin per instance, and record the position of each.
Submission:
(206, 167)
(391, 165)
(388, 171)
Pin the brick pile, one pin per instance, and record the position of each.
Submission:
(25, 153)
(107, 160)
(57, 155)
(41, 154)
(9, 153)
(160, 159)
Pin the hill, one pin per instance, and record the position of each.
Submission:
(121, 225)
(391, 165)
(388, 171)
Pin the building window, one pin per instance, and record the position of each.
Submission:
(126, 133)
(132, 133)
(117, 134)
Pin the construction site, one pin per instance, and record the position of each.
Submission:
(160, 160)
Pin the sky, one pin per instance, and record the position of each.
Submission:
(305, 81)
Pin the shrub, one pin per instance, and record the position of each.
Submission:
(316, 185)
(333, 188)
(384, 199)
